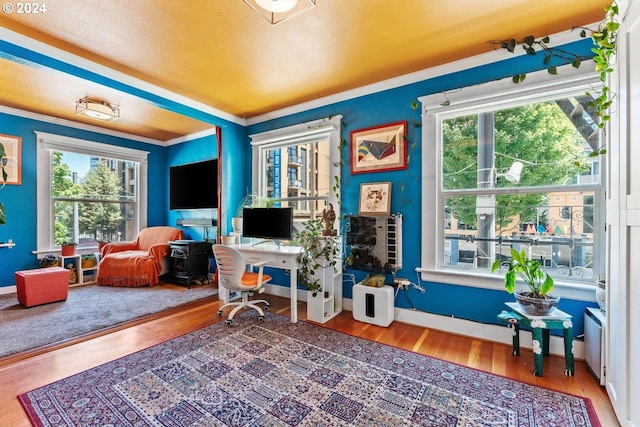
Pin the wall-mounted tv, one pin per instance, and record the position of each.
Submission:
(194, 185)
(268, 223)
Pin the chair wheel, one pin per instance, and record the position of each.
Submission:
(266, 307)
(260, 318)
(219, 313)
(227, 322)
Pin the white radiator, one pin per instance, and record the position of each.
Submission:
(595, 323)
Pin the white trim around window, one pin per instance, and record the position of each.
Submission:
(539, 85)
(327, 129)
(45, 144)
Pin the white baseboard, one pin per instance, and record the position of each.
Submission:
(469, 328)
(8, 290)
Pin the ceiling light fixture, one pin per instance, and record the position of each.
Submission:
(277, 11)
(96, 109)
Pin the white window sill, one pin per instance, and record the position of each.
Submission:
(563, 288)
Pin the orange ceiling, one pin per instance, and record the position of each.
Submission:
(221, 56)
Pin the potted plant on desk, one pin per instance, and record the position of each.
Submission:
(249, 201)
(535, 301)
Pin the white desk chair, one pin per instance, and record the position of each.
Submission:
(233, 275)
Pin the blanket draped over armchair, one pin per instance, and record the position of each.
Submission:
(137, 263)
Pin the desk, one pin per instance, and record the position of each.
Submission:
(283, 257)
(540, 328)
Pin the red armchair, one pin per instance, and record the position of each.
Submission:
(137, 263)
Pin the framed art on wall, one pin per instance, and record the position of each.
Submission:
(379, 148)
(375, 198)
(11, 158)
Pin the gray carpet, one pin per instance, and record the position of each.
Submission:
(87, 309)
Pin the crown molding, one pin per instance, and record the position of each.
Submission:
(23, 42)
(559, 39)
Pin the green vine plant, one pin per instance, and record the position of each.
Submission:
(4, 176)
(336, 179)
(411, 145)
(319, 252)
(604, 40)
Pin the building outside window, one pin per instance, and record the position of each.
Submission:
(513, 170)
(296, 167)
(92, 191)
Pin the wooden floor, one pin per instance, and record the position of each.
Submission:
(26, 373)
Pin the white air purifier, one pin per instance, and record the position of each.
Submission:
(373, 305)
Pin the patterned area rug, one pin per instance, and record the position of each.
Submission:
(281, 374)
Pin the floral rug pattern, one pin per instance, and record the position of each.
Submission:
(281, 374)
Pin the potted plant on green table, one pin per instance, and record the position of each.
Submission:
(536, 300)
(318, 252)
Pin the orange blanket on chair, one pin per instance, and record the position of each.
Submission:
(129, 268)
(136, 263)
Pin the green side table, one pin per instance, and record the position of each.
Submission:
(540, 329)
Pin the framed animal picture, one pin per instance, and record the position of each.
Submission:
(379, 148)
(375, 198)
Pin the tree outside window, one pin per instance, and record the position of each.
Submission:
(90, 204)
(490, 212)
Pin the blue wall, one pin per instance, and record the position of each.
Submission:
(235, 156)
(388, 106)
(20, 200)
(394, 105)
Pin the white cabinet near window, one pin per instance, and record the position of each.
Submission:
(327, 302)
(83, 268)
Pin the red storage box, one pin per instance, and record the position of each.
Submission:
(42, 286)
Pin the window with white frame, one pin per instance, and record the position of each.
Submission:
(298, 167)
(88, 191)
(508, 166)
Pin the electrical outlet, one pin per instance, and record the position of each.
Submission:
(401, 283)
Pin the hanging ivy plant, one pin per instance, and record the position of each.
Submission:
(604, 40)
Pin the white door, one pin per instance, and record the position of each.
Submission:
(623, 311)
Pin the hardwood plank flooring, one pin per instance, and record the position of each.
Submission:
(27, 372)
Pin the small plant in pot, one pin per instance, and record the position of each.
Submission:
(68, 248)
(249, 201)
(89, 261)
(319, 252)
(535, 301)
(49, 260)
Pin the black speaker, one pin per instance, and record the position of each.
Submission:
(369, 308)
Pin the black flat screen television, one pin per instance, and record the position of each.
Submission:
(194, 185)
(268, 223)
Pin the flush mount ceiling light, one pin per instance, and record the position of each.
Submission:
(277, 11)
(96, 109)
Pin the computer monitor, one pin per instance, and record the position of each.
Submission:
(268, 223)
